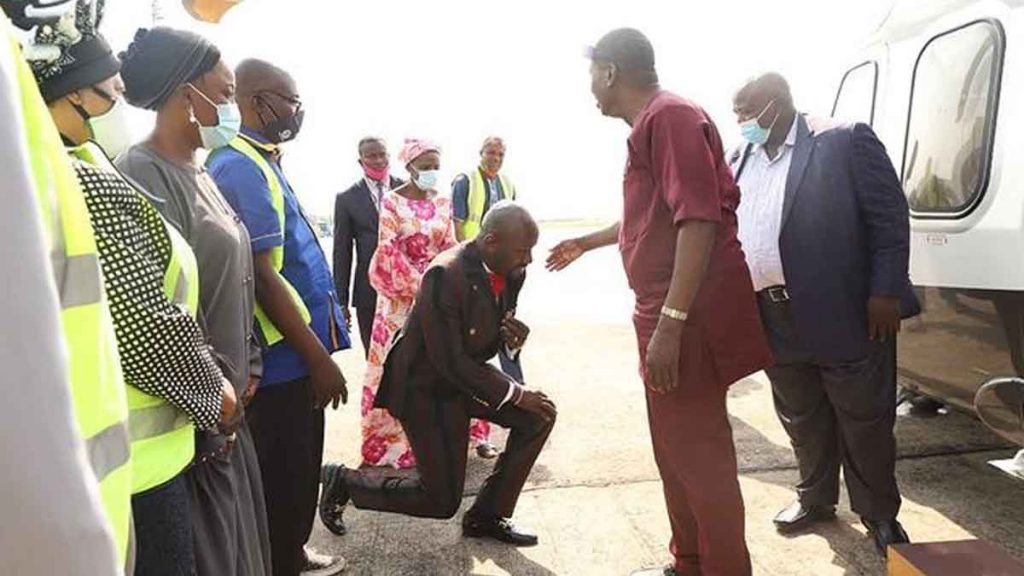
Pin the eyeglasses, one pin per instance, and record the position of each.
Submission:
(291, 100)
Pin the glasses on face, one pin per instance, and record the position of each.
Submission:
(294, 101)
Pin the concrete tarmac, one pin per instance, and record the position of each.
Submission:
(595, 498)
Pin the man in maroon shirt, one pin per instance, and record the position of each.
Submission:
(696, 318)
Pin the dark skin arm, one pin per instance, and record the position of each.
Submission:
(567, 251)
(693, 252)
(274, 298)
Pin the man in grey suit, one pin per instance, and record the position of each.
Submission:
(825, 228)
(356, 218)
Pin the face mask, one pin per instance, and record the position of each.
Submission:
(229, 123)
(378, 174)
(753, 132)
(284, 129)
(281, 129)
(427, 179)
(110, 130)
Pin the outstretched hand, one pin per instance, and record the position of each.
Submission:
(564, 254)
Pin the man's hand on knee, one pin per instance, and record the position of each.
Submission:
(537, 402)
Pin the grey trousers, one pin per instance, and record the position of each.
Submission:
(836, 414)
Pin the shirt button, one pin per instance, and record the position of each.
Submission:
(472, 331)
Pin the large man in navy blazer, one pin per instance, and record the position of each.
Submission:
(825, 228)
(356, 219)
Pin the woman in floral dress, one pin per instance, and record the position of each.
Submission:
(415, 226)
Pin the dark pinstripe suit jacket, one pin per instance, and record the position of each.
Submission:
(451, 333)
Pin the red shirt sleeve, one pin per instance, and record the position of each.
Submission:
(683, 164)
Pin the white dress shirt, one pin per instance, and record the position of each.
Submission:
(762, 194)
(378, 189)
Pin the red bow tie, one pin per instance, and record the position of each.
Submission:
(497, 283)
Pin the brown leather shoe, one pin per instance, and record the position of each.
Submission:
(797, 517)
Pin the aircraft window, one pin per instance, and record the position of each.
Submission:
(855, 101)
(953, 105)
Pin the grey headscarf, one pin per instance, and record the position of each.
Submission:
(160, 60)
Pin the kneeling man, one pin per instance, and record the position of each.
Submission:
(436, 378)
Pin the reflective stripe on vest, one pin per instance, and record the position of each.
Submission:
(94, 372)
(162, 436)
(476, 200)
(269, 334)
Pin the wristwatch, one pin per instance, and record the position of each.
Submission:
(673, 313)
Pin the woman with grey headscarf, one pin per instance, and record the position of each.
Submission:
(181, 76)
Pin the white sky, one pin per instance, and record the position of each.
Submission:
(457, 70)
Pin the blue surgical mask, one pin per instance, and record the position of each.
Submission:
(753, 132)
(229, 123)
(427, 179)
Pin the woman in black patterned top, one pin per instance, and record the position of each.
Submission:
(162, 348)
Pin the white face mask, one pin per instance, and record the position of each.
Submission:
(110, 130)
(427, 180)
(229, 123)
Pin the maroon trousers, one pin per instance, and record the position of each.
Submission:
(696, 458)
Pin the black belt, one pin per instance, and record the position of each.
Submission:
(775, 294)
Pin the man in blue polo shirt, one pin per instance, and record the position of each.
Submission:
(298, 319)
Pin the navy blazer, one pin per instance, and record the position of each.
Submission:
(356, 220)
(844, 237)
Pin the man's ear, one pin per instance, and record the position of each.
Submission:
(611, 75)
(490, 241)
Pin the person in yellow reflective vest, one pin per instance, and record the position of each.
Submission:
(66, 398)
(174, 384)
(473, 194)
(298, 316)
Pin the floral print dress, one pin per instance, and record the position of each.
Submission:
(412, 233)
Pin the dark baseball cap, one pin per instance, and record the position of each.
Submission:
(627, 48)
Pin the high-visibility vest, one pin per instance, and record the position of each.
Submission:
(162, 436)
(268, 333)
(97, 385)
(477, 200)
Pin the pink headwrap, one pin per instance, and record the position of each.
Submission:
(414, 148)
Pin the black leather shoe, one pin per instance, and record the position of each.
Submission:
(500, 529)
(333, 498)
(886, 534)
(797, 517)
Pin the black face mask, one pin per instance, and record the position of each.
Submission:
(280, 130)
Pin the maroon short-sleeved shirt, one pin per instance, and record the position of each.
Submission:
(676, 171)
